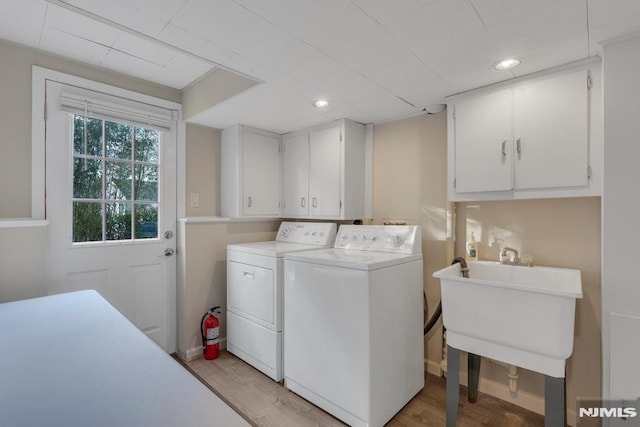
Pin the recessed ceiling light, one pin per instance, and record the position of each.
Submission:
(506, 64)
(321, 103)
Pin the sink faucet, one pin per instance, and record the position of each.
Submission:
(505, 259)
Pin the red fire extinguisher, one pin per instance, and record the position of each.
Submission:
(209, 328)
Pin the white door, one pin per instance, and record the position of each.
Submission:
(111, 203)
(324, 172)
(551, 122)
(295, 175)
(261, 185)
(483, 145)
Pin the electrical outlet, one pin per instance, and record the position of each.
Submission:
(194, 200)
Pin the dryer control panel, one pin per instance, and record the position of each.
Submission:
(311, 233)
(402, 239)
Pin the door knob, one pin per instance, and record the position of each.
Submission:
(168, 252)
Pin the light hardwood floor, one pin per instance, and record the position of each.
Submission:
(264, 402)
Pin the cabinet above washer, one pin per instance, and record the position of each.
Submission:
(250, 173)
(538, 137)
(323, 171)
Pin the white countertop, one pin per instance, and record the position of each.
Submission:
(74, 360)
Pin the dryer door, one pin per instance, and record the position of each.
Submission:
(251, 293)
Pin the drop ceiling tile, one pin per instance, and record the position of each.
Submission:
(461, 54)
(571, 49)
(315, 69)
(23, 24)
(195, 66)
(427, 93)
(607, 12)
(161, 9)
(380, 109)
(628, 25)
(412, 81)
(495, 11)
(70, 46)
(477, 77)
(128, 64)
(385, 10)
(122, 14)
(435, 24)
(232, 26)
(172, 78)
(142, 48)
(195, 44)
(557, 21)
(73, 23)
(280, 106)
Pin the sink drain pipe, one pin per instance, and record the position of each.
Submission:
(473, 360)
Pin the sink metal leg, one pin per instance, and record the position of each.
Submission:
(473, 372)
(453, 385)
(555, 412)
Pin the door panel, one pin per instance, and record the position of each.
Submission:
(295, 175)
(261, 160)
(483, 145)
(251, 292)
(324, 173)
(551, 128)
(122, 259)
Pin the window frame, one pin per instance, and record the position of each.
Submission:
(38, 116)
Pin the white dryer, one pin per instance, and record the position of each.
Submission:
(255, 292)
(353, 322)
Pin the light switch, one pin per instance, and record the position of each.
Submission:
(194, 200)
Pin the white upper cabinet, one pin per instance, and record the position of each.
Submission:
(324, 172)
(534, 138)
(295, 175)
(250, 173)
(483, 143)
(550, 122)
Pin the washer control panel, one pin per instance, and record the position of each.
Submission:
(311, 233)
(403, 239)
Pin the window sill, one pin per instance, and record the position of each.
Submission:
(23, 223)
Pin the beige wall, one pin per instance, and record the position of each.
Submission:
(409, 184)
(15, 116)
(203, 169)
(22, 262)
(203, 276)
(557, 233)
(202, 247)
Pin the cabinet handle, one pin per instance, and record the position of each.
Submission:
(504, 148)
(315, 202)
(303, 202)
(249, 201)
(518, 147)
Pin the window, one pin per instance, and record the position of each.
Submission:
(115, 180)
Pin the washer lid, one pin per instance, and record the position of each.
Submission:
(354, 259)
(271, 249)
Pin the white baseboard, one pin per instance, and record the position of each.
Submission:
(195, 352)
(529, 401)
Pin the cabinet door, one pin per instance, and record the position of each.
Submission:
(483, 150)
(261, 174)
(551, 132)
(295, 175)
(324, 172)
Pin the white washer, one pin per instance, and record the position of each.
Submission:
(353, 321)
(255, 292)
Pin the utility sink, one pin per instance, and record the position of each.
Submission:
(515, 314)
